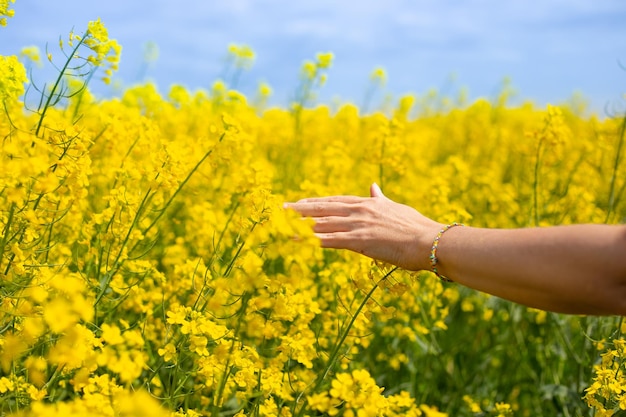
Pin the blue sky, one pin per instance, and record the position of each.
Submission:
(549, 49)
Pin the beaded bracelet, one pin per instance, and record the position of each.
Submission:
(433, 250)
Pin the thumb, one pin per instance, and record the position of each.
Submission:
(375, 191)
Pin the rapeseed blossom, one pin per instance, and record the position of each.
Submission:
(107, 51)
(5, 11)
(33, 54)
(242, 54)
(12, 79)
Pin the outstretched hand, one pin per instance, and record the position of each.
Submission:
(374, 226)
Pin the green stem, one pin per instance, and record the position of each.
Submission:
(618, 157)
(5, 233)
(335, 353)
(81, 94)
(180, 187)
(51, 226)
(227, 367)
(222, 233)
(617, 370)
(381, 165)
(56, 85)
(116, 264)
(535, 215)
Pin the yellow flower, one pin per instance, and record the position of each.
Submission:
(379, 76)
(107, 51)
(138, 404)
(36, 366)
(111, 334)
(59, 316)
(168, 352)
(6, 385)
(309, 70)
(11, 348)
(12, 79)
(197, 344)
(473, 405)
(503, 409)
(74, 349)
(5, 11)
(265, 90)
(178, 316)
(269, 408)
(36, 394)
(324, 60)
(32, 53)
(242, 55)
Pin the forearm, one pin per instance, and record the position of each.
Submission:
(577, 269)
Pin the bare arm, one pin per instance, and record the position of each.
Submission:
(578, 269)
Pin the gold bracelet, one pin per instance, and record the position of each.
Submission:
(433, 250)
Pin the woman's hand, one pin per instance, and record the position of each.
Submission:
(576, 269)
(374, 226)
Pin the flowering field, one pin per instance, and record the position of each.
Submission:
(147, 266)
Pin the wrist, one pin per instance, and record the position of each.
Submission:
(434, 250)
(419, 251)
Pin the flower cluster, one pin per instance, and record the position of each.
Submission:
(106, 52)
(607, 392)
(5, 11)
(13, 79)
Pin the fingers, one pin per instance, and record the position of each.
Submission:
(337, 240)
(323, 207)
(347, 199)
(375, 191)
(335, 216)
(332, 224)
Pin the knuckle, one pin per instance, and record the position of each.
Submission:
(318, 208)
